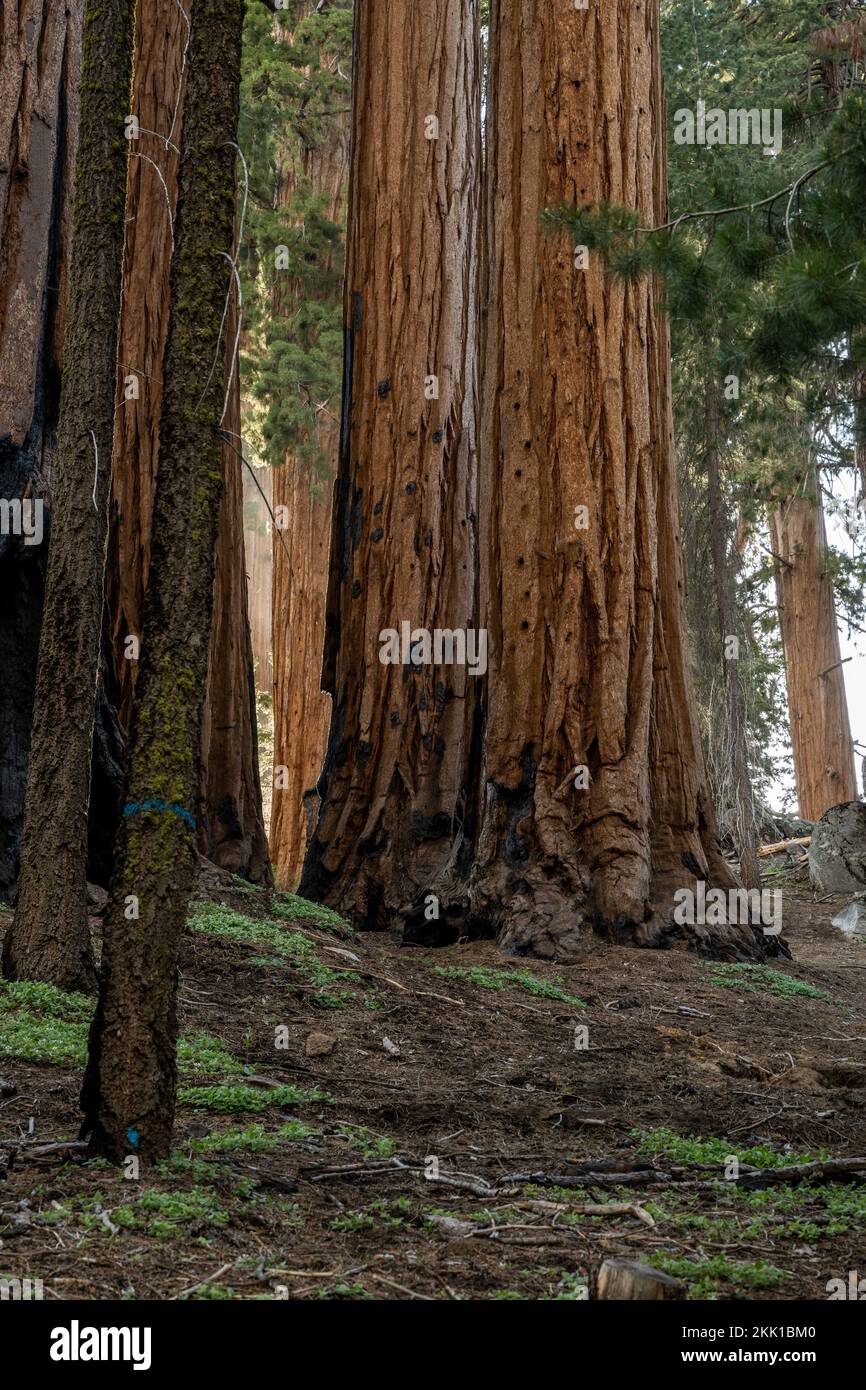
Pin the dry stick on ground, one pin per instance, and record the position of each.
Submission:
(780, 845)
(589, 1209)
(420, 993)
(201, 1283)
(819, 1171)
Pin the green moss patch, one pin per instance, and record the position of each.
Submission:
(488, 978)
(763, 979)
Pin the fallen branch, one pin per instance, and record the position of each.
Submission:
(779, 845)
(39, 1150)
(646, 1177)
(817, 1171)
(419, 993)
(201, 1283)
(590, 1209)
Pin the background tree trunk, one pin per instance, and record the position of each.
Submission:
(588, 664)
(41, 55)
(300, 559)
(230, 821)
(232, 829)
(258, 543)
(50, 939)
(394, 784)
(130, 1087)
(735, 746)
(301, 707)
(820, 730)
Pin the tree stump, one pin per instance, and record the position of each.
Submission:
(626, 1279)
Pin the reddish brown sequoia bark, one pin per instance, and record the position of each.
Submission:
(303, 502)
(258, 546)
(395, 780)
(588, 684)
(231, 827)
(817, 704)
(301, 708)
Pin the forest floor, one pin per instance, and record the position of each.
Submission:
(402, 1122)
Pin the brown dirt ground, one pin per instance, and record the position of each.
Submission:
(492, 1085)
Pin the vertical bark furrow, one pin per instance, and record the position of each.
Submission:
(395, 772)
(54, 847)
(588, 668)
(821, 742)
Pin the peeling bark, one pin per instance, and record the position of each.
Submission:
(395, 781)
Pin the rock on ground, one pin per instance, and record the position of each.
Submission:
(837, 854)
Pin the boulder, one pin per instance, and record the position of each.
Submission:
(837, 854)
(853, 917)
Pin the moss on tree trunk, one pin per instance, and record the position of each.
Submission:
(130, 1087)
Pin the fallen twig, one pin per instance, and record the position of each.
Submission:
(201, 1283)
(590, 1209)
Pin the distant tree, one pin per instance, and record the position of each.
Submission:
(296, 103)
(757, 267)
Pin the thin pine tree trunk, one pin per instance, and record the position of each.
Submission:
(229, 813)
(40, 43)
(745, 835)
(49, 939)
(130, 1087)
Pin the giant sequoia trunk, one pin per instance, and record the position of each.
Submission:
(49, 939)
(40, 45)
(300, 562)
(231, 828)
(129, 1092)
(817, 705)
(595, 807)
(394, 785)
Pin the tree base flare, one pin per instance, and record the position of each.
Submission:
(534, 916)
